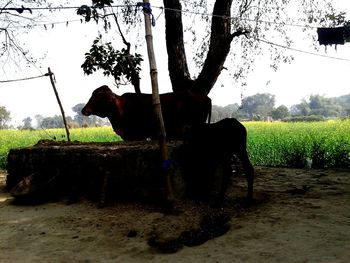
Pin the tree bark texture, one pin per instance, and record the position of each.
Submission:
(177, 62)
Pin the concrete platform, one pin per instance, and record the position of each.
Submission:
(99, 171)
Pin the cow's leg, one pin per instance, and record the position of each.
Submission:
(226, 178)
(249, 172)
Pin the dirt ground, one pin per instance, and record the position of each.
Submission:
(297, 216)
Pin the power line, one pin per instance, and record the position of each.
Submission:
(52, 8)
(301, 51)
(165, 8)
(232, 18)
(22, 79)
(182, 11)
(46, 25)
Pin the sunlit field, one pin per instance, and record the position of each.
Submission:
(316, 144)
(301, 144)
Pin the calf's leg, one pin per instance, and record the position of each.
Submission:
(249, 172)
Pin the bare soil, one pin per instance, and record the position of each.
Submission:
(297, 216)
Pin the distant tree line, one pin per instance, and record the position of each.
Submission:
(56, 121)
(262, 107)
(77, 121)
(258, 107)
(317, 105)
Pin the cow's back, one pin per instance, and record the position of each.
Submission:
(137, 118)
(179, 109)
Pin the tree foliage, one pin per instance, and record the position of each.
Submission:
(281, 112)
(4, 117)
(86, 121)
(17, 18)
(27, 124)
(258, 104)
(52, 122)
(221, 112)
(261, 107)
(117, 63)
(240, 30)
(320, 106)
(202, 37)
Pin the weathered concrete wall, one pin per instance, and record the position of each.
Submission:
(115, 171)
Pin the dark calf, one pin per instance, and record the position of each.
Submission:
(208, 152)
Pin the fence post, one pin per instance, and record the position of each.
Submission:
(59, 102)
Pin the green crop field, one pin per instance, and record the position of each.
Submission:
(302, 144)
(316, 144)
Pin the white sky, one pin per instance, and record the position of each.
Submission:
(65, 47)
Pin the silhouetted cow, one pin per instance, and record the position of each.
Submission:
(132, 116)
(208, 152)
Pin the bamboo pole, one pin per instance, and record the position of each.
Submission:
(59, 102)
(157, 106)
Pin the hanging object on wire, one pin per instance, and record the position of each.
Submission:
(334, 35)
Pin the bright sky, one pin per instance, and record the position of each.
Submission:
(65, 46)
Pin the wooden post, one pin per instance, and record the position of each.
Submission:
(157, 106)
(59, 102)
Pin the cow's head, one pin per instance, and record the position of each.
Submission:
(100, 103)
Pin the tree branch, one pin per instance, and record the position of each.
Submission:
(120, 31)
(239, 33)
(220, 41)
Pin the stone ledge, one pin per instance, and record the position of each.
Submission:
(114, 171)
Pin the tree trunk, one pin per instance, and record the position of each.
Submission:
(177, 62)
(220, 41)
(219, 47)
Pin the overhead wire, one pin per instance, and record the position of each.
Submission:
(22, 79)
(52, 8)
(169, 9)
(45, 25)
(263, 40)
(300, 51)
